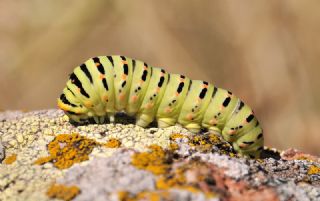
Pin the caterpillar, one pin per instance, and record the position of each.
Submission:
(105, 85)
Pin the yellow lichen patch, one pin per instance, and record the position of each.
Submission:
(156, 161)
(314, 170)
(175, 136)
(68, 149)
(304, 158)
(173, 146)
(205, 143)
(113, 143)
(42, 160)
(63, 192)
(166, 182)
(10, 159)
(144, 195)
(201, 142)
(159, 162)
(214, 139)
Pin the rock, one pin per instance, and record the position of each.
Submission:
(121, 161)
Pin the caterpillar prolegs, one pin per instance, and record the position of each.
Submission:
(105, 85)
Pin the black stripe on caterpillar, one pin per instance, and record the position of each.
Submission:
(105, 85)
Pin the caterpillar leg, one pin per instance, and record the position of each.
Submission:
(111, 118)
(193, 127)
(165, 122)
(214, 130)
(143, 120)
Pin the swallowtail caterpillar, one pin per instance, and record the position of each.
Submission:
(105, 85)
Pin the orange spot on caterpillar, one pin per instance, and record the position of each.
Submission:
(168, 110)
(213, 121)
(145, 67)
(149, 105)
(243, 145)
(123, 76)
(205, 86)
(101, 76)
(141, 82)
(97, 64)
(121, 96)
(124, 62)
(134, 98)
(105, 97)
(157, 89)
(181, 79)
(177, 94)
(189, 116)
(88, 104)
(231, 132)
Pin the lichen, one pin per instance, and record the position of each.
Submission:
(144, 195)
(62, 192)
(180, 178)
(68, 149)
(204, 143)
(173, 146)
(113, 143)
(10, 159)
(157, 160)
(175, 136)
(314, 170)
(206, 140)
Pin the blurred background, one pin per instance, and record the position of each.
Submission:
(266, 52)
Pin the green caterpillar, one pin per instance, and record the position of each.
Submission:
(105, 85)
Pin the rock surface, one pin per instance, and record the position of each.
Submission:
(44, 157)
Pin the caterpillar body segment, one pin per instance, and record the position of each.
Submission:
(195, 105)
(104, 85)
(172, 101)
(153, 97)
(123, 71)
(139, 85)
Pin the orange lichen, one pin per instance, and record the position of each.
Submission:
(10, 159)
(159, 162)
(62, 192)
(113, 143)
(314, 170)
(68, 149)
(175, 136)
(177, 179)
(156, 161)
(173, 146)
(205, 143)
(144, 195)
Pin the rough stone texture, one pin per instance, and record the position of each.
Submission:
(193, 172)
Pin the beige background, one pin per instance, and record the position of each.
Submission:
(266, 52)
